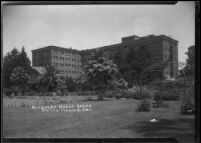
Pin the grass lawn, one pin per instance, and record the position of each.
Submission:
(108, 119)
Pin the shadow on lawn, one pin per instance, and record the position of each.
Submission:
(180, 129)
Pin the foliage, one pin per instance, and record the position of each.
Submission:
(190, 61)
(133, 93)
(171, 95)
(167, 95)
(19, 77)
(143, 106)
(12, 60)
(118, 60)
(145, 92)
(114, 94)
(131, 62)
(60, 85)
(7, 91)
(101, 73)
(119, 84)
(31, 93)
(187, 108)
(71, 85)
(48, 80)
(157, 96)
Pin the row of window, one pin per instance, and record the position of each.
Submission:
(67, 65)
(69, 72)
(67, 58)
(65, 52)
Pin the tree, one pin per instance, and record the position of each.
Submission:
(97, 54)
(34, 79)
(118, 60)
(70, 84)
(190, 61)
(12, 60)
(119, 84)
(137, 60)
(101, 73)
(60, 84)
(23, 60)
(19, 77)
(49, 79)
(9, 63)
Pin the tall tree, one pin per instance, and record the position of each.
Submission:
(118, 60)
(12, 60)
(19, 77)
(190, 61)
(23, 60)
(101, 73)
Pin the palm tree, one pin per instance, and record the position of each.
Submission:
(49, 78)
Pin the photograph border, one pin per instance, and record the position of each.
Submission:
(197, 71)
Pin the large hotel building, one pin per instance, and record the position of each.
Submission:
(66, 60)
(161, 48)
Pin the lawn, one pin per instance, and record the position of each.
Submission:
(108, 119)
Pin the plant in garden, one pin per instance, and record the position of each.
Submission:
(70, 84)
(20, 77)
(119, 84)
(60, 84)
(187, 108)
(49, 78)
(144, 106)
(7, 91)
(12, 60)
(101, 73)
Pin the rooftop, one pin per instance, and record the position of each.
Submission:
(56, 47)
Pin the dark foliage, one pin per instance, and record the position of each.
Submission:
(144, 106)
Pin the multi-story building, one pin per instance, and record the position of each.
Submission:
(161, 48)
(66, 60)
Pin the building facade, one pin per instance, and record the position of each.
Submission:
(161, 48)
(66, 60)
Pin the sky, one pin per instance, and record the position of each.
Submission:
(91, 26)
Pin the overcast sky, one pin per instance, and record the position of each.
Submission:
(91, 26)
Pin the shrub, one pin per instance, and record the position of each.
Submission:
(31, 93)
(187, 108)
(127, 93)
(7, 91)
(145, 92)
(89, 98)
(171, 95)
(144, 106)
(112, 94)
(157, 96)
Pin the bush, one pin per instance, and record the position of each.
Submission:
(144, 106)
(31, 93)
(127, 93)
(112, 94)
(7, 91)
(135, 93)
(187, 108)
(171, 95)
(157, 96)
